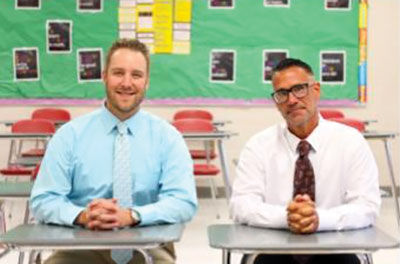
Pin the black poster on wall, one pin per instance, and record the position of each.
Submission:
(89, 65)
(26, 64)
(59, 36)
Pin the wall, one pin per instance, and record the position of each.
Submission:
(382, 105)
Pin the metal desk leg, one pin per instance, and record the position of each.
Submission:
(251, 258)
(369, 258)
(226, 256)
(26, 215)
(34, 257)
(393, 180)
(21, 257)
(147, 258)
(5, 252)
(224, 168)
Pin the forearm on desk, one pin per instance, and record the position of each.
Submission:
(167, 210)
(54, 211)
(347, 216)
(251, 211)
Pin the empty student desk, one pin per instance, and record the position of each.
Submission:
(16, 190)
(385, 138)
(37, 237)
(218, 136)
(13, 191)
(251, 240)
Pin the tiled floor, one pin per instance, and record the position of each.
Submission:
(194, 249)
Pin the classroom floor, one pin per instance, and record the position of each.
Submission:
(193, 247)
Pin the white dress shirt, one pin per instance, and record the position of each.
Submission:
(346, 178)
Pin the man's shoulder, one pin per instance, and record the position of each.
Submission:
(80, 123)
(269, 135)
(336, 129)
(157, 127)
(154, 120)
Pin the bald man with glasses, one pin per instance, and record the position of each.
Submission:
(306, 174)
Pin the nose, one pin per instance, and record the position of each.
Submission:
(292, 99)
(126, 80)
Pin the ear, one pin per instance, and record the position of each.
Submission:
(317, 89)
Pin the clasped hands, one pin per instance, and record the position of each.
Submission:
(302, 217)
(105, 214)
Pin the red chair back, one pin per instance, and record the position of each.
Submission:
(200, 114)
(33, 126)
(193, 125)
(35, 171)
(52, 114)
(331, 113)
(357, 124)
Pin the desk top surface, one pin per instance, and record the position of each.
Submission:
(11, 122)
(9, 135)
(31, 235)
(379, 134)
(15, 189)
(241, 237)
(215, 134)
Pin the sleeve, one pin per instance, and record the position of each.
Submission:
(361, 204)
(247, 204)
(177, 200)
(49, 202)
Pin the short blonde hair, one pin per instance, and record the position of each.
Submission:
(131, 44)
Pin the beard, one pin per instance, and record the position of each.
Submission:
(119, 107)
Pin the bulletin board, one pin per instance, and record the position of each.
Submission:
(214, 52)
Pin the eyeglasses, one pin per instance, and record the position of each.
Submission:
(298, 90)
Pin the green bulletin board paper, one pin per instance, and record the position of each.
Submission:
(304, 30)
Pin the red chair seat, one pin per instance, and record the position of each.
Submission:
(52, 114)
(331, 113)
(16, 170)
(33, 153)
(355, 123)
(193, 113)
(205, 169)
(201, 154)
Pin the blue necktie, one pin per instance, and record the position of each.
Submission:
(122, 183)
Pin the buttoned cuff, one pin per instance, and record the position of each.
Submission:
(327, 220)
(71, 215)
(148, 215)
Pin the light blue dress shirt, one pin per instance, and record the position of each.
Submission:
(77, 168)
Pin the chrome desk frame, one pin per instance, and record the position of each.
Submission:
(16, 191)
(38, 237)
(219, 137)
(251, 240)
(385, 138)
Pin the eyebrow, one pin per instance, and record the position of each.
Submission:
(289, 88)
(123, 69)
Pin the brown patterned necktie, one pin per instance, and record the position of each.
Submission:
(304, 182)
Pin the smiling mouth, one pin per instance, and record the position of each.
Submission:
(124, 93)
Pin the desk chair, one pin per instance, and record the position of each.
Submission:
(197, 114)
(194, 113)
(357, 124)
(54, 115)
(201, 170)
(14, 166)
(331, 113)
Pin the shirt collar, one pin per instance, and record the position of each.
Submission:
(314, 138)
(110, 121)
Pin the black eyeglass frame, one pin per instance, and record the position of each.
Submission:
(292, 89)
